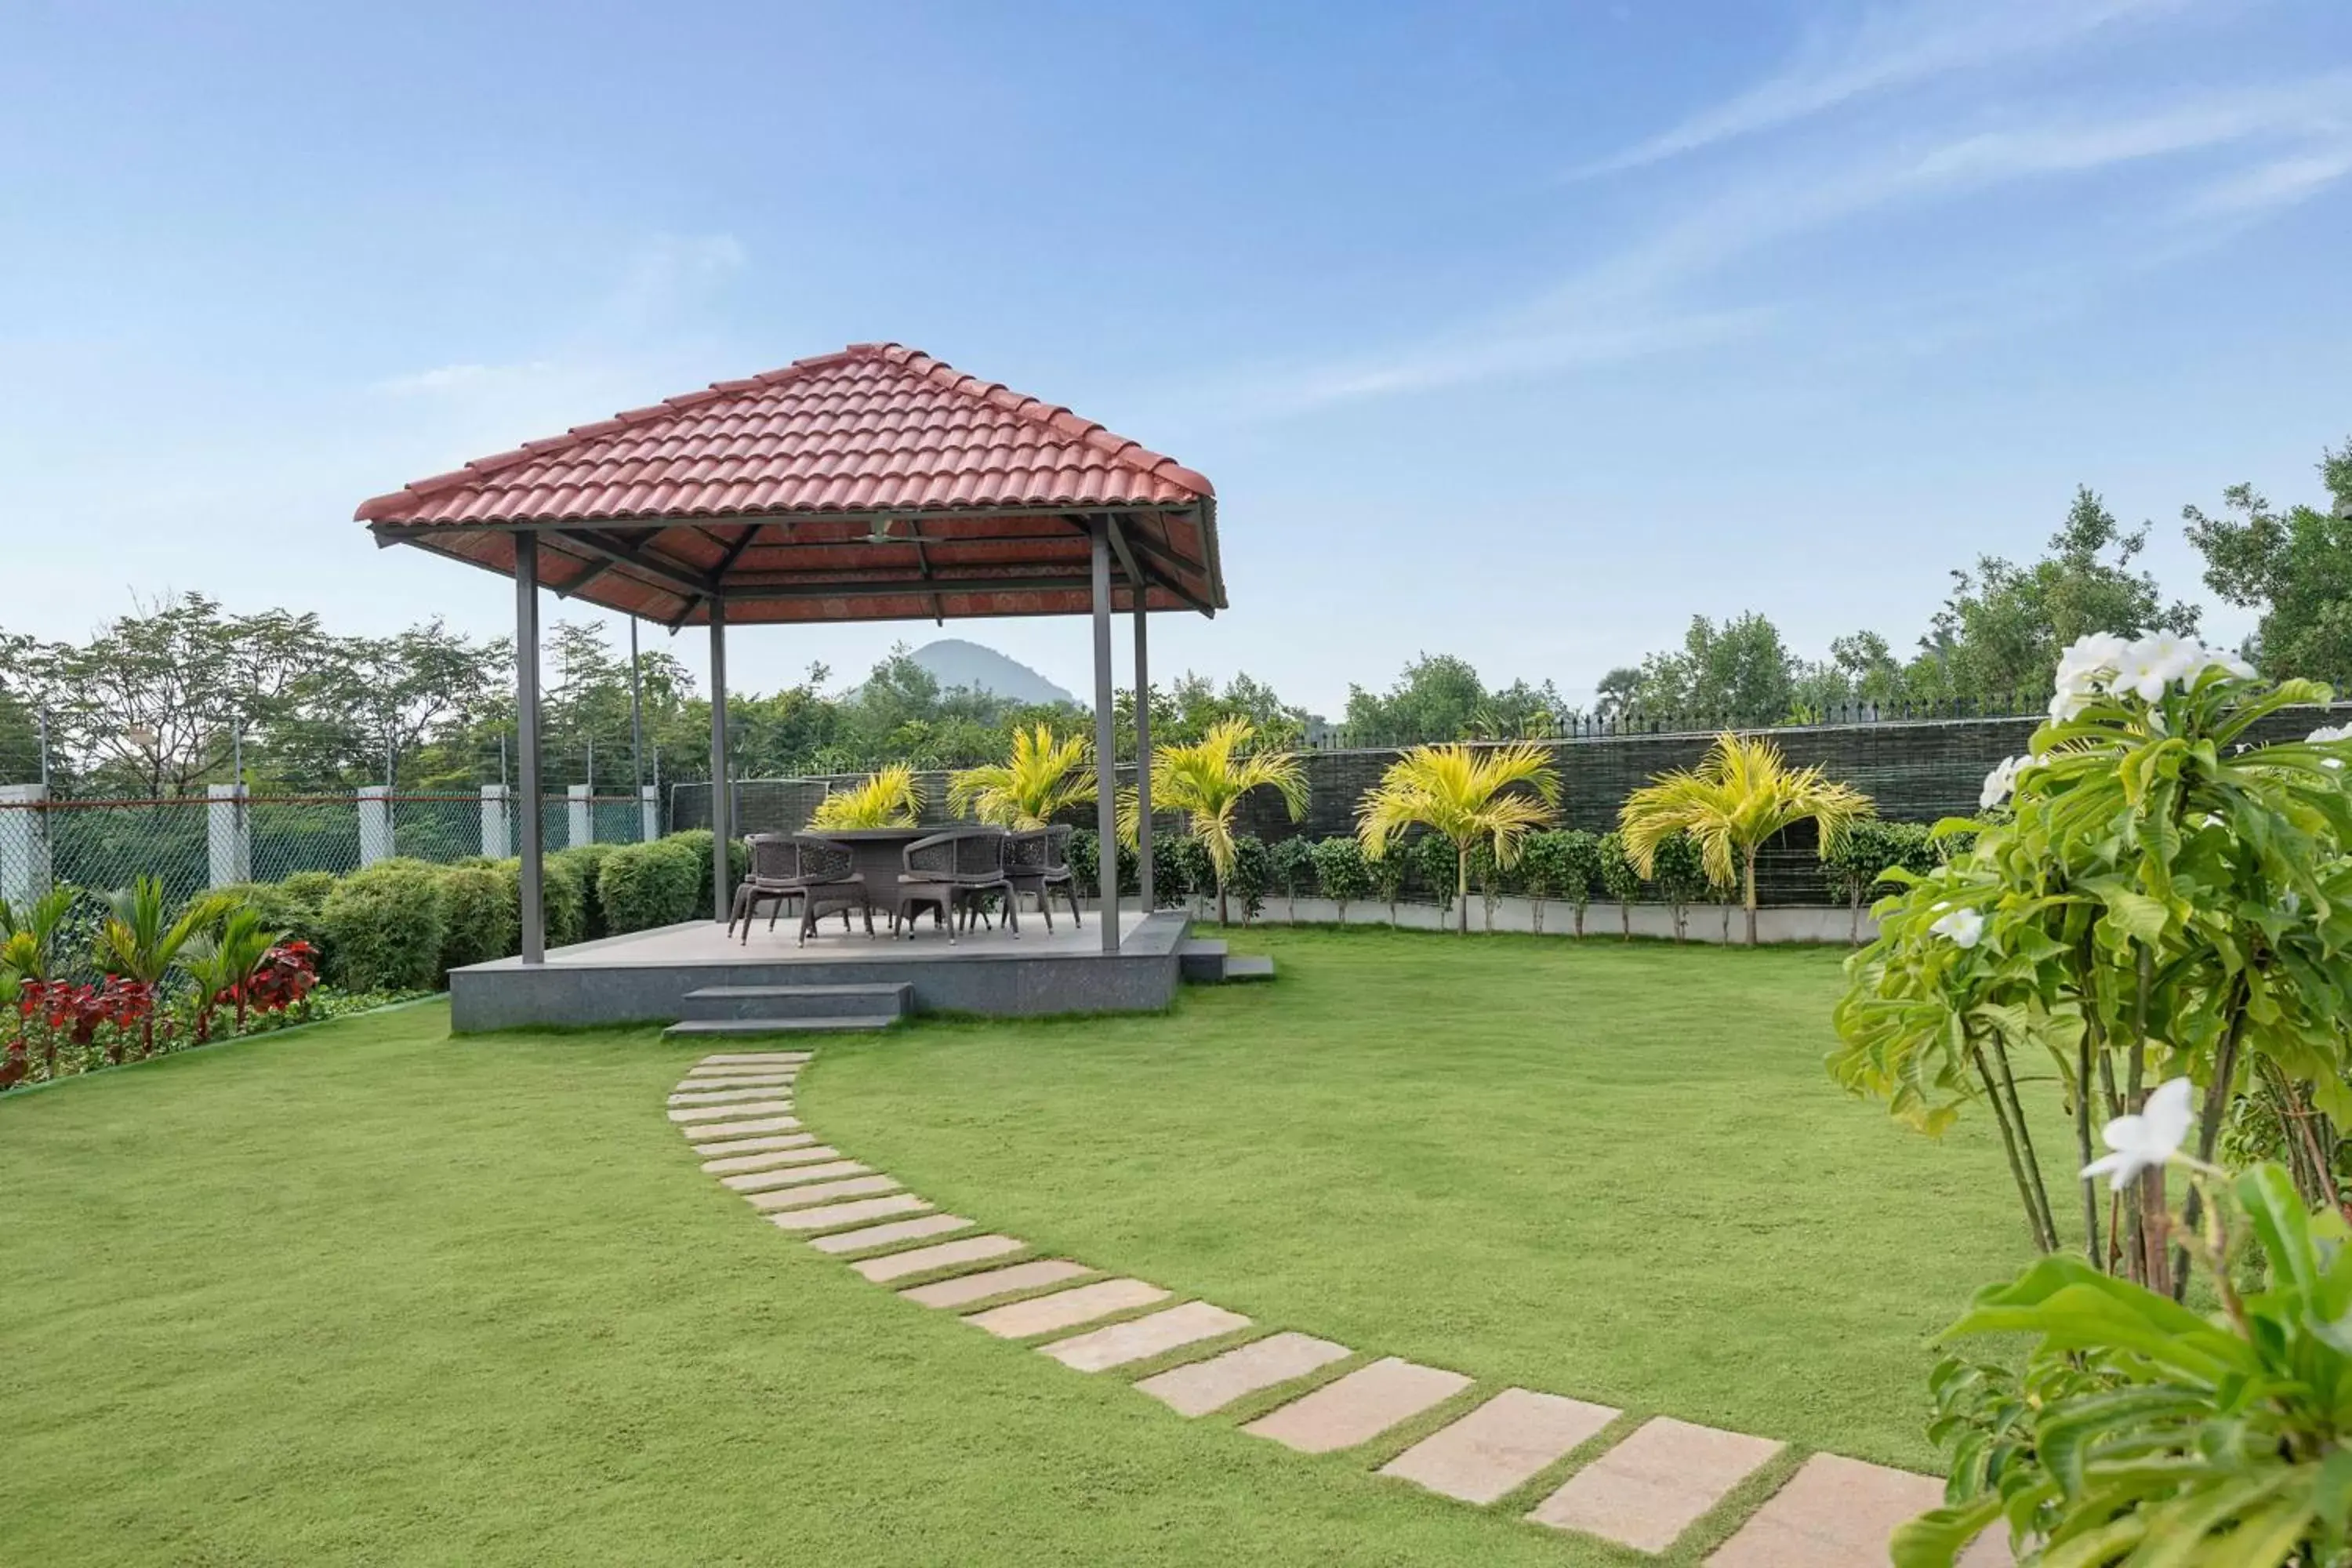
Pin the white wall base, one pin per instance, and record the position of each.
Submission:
(1704, 922)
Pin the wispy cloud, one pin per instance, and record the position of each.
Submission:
(1888, 48)
(633, 342)
(1642, 300)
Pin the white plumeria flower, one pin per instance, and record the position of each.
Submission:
(1963, 928)
(2069, 702)
(2326, 733)
(1998, 783)
(2152, 664)
(2147, 1141)
(2087, 657)
(2236, 669)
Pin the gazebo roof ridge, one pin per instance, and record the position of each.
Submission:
(1059, 422)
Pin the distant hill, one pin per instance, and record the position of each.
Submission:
(955, 662)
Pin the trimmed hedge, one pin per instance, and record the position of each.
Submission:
(584, 864)
(480, 916)
(384, 927)
(647, 885)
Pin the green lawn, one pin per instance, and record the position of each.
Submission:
(364, 1293)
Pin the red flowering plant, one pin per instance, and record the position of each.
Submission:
(64, 1012)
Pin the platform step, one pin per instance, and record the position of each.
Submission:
(841, 1023)
(1202, 961)
(1248, 967)
(729, 1002)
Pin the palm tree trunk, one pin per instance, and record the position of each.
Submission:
(1462, 890)
(1751, 880)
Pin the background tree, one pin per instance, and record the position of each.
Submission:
(1184, 711)
(2296, 568)
(1998, 635)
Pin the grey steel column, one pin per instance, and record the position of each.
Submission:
(1142, 752)
(527, 828)
(722, 815)
(1105, 743)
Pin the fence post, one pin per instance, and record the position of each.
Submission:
(649, 811)
(228, 834)
(580, 814)
(375, 824)
(24, 842)
(498, 824)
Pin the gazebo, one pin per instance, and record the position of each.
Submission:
(874, 484)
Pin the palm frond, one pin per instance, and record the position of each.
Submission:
(1044, 777)
(890, 798)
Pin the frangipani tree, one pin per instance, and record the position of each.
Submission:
(1042, 778)
(890, 798)
(1206, 781)
(2165, 899)
(1470, 796)
(1733, 804)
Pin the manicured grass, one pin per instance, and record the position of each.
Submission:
(369, 1294)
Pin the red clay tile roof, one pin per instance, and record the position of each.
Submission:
(872, 484)
(878, 427)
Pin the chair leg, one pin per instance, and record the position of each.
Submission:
(1071, 889)
(1046, 908)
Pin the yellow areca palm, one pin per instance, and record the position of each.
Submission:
(1044, 778)
(1733, 804)
(1207, 780)
(1468, 794)
(891, 798)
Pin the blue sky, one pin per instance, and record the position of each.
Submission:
(1518, 331)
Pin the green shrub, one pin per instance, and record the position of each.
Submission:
(384, 927)
(1564, 864)
(1619, 879)
(696, 841)
(644, 885)
(587, 862)
(1253, 875)
(1294, 869)
(1180, 869)
(1342, 872)
(563, 900)
(1436, 866)
(479, 914)
(1678, 871)
(294, 907)
(1390, 869)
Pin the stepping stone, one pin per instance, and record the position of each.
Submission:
(1043, 1314)
(1494, 1448)
(768, 1181)
(888, 1235)
(746, 1146)
(1212, 1385)
(1144, 1337)
(755, 1059)
(821, 1193)
(799, 1149)
(741, 1075)
(740, 1129)
(1649, 1488)
(721, 1096)
(1838, 1513)
(776, 1083)
(969, 1249)
(857, 1212)
(964, 1291)
(1360, 1406)
(721, 1112)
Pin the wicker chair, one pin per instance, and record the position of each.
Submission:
(775, 881)
(1038, 862)
(953, 871)
(829, 879)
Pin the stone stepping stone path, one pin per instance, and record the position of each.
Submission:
(922, 1259)
(1144, 1338)
(970, 1290)
(1645, 1491)
(1360, 1406)
(1649, 1488)
(1500, 1445)
(1211, 1384)
(833, 1216)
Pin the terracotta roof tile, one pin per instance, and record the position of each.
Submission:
(875, 427)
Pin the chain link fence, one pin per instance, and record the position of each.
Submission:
(194, 842)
